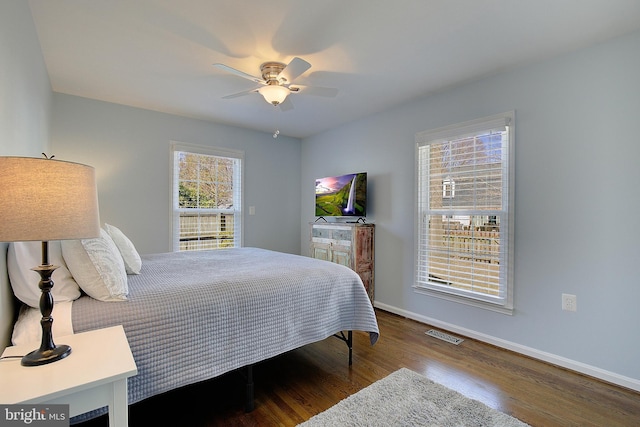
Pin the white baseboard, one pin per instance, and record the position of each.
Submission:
(583, 368)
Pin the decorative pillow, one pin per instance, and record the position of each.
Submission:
(97, 266)
(22, 257)
(132, 260)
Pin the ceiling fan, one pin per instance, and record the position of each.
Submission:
(276, 83)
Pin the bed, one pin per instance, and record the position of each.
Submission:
(192, 316)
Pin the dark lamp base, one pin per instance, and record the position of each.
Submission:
(42, 357)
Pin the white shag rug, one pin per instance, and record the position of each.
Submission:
(406, 398)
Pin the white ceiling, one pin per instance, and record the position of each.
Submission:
(158, 54)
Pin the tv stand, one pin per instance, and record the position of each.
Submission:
(349, 244)
(362, 220)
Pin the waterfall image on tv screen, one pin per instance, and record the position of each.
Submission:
(344, 195)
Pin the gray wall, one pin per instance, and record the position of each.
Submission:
(577, 176)
(25, 92)
(129, 147)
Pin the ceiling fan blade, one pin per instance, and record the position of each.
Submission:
(286, 105)
(294, 69)
(239, 73)
(328, 92)
(239, 94)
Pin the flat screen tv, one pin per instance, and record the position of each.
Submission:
(344, 195)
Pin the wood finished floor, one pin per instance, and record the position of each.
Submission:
(293, 387)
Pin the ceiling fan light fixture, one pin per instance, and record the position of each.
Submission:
(274, 94)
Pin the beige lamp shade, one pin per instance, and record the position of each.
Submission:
(44, 199)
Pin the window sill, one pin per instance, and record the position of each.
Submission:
(503, 309)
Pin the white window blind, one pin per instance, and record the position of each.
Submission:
(464, 216)
(206, 197)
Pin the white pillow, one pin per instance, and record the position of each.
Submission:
(132, 260)
(97, 266)
(28, 330)
(22, 257)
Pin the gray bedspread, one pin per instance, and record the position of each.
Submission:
(192, 316)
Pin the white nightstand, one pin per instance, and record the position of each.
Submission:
(92, 376)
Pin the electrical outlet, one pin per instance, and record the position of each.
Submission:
(569, 302)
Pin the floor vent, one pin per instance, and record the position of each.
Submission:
(444, 337)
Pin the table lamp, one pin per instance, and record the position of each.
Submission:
(43, 200)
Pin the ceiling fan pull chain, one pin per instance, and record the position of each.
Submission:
(277, 131)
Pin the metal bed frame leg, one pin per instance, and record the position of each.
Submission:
(349, 340)
(249, 403)
(249, 400)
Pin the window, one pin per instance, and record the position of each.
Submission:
(464, 216)
(448, 188)
(206, 197)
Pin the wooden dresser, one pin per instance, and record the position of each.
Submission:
(349, 244)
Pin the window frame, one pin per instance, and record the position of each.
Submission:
(503, 303)
(448, 188)
(238, 213)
